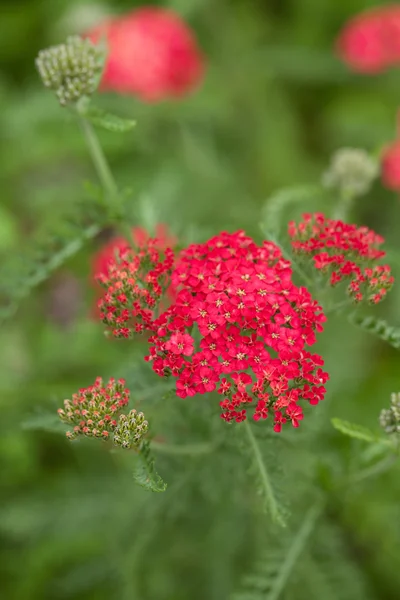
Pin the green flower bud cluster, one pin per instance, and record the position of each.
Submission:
(352, 171)
(71, 69)
(389, 419)
(130, 430)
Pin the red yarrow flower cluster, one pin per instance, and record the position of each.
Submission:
(346, 252)
(240, 326)
(152, 54)
(370, 42)
(135, 283)
(390, 166)
(93, 410)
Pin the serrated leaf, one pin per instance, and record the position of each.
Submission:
(100, 118)
(50, 249)
(145, 474)
(378, 327)
(356, 431)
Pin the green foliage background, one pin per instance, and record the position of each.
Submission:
(275, 104)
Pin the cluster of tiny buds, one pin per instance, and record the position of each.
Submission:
(93, 411)
(130, 430)
(72, 69)
(351, 171)
(389, 418)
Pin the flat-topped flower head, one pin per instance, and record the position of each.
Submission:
(135, 283)
(71, 70)
(352, 171)
(94, 410)
(152, 54)
(241, 327)
(345, 253)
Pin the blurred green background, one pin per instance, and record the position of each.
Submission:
(274, 105)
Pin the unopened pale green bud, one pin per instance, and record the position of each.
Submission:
(130, 430)
(352, 171)
(71, 70)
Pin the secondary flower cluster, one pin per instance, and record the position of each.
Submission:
(370, 42)
(240, 325)
(135, 283)
(70, 69)
(345, 252)
(152, 54)
(93, 410)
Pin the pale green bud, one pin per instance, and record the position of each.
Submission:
(130, 430)
(352, 171)
(71, 70)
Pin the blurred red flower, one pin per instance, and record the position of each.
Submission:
(370, 42)
(152, 54)
(390, 166)
(106, 255)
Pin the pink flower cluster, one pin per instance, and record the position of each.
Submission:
(240, 326)
(152, 54)
(370, 42)
(92, 410)
(135, 283)
(346, 252)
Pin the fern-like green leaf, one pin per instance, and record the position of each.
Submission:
(273, 574)
(378, 327)
(259, 469)
(104, 120)
(282, 199)
(145, 474)
(46, 253)
(357, 431)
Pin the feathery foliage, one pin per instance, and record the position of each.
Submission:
(377, 327)
(276, 568)
(145, 473)
(47, 252)
(357, 431)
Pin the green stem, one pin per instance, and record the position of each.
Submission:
(201, 448)
(100, 162)
(264, 477)
(106, 178)
(377, 469)
(343, 207)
